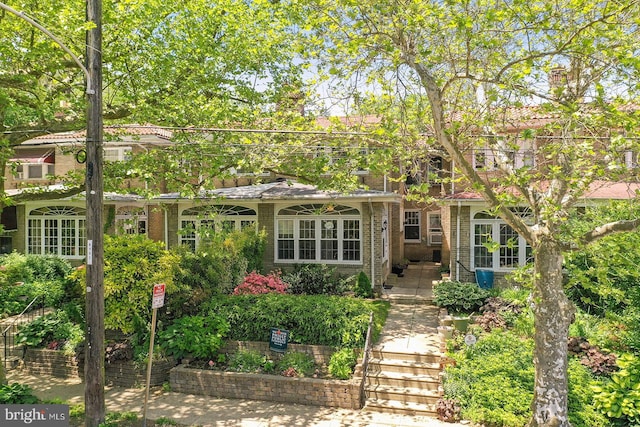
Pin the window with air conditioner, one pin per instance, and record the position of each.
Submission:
(435, 228)
(26, 171)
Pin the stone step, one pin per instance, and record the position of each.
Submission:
(395, 407)
(403, 366)
(396, 379)
(402, 394)
(381, 354)
(407, 299)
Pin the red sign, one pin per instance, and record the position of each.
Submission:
(158, 295)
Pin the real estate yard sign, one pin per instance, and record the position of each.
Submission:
(278, 340)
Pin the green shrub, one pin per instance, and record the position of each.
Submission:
(133, 264)
(363, 287)
(459, 297)
(310, 319)
(54, 330)
(24, 277)
(493, 380)
(15, 269)
(582, 412)
(197, 336)
(342, 363)
(315, 279)
(619, 398)
(16, 394)
(247, 361)
(296, 364)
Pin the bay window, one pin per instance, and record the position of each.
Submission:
(319, 233)
(197, 224)
(57, 230)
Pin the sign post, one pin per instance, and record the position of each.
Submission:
(158, 301)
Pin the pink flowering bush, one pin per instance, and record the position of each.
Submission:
(255, 283)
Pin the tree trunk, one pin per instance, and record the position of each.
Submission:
(553, 314)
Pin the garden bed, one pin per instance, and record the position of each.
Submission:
(274, 388)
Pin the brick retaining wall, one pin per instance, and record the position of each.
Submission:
(119, 373)
(51, 362)
(321, 353)
(274, 388)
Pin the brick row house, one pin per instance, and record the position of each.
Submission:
(365, 230)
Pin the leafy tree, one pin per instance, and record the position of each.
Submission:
(173, 64)
(450, 75)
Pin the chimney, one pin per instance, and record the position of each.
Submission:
(558, 79)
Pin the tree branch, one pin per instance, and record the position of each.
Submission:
(610, 228)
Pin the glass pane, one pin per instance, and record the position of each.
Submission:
(35, 171)
(351, 240)
(51, 236)
(411, 232)
(34, 239)
(68, 237)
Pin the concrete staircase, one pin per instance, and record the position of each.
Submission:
(403, 383)
(404, 372)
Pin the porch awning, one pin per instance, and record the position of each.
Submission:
(34, 157)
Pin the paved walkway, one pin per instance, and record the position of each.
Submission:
(411, 328)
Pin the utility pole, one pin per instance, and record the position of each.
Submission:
(94, 346)
(94, 341)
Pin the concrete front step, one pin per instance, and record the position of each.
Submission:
(406, 356)
(403, 367)
(408, 299)
(403, 394)
(399, 380)
(403, 408)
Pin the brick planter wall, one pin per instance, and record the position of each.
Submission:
(128, 374)
(51, 362)
(274, 388)
(321, 354)
(119, 373)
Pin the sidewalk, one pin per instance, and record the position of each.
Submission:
(194, 410)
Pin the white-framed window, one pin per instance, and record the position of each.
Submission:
(25, 171)
(434, 220)
(412, 226)
(198, 223)
(322, 233)
(351, 157)
(519, 155)
(425, 171)
(117, 154)
(57, 230)
(495, 245)
(131, 220)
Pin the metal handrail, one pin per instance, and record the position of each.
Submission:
(7, 333)
(365, 360)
